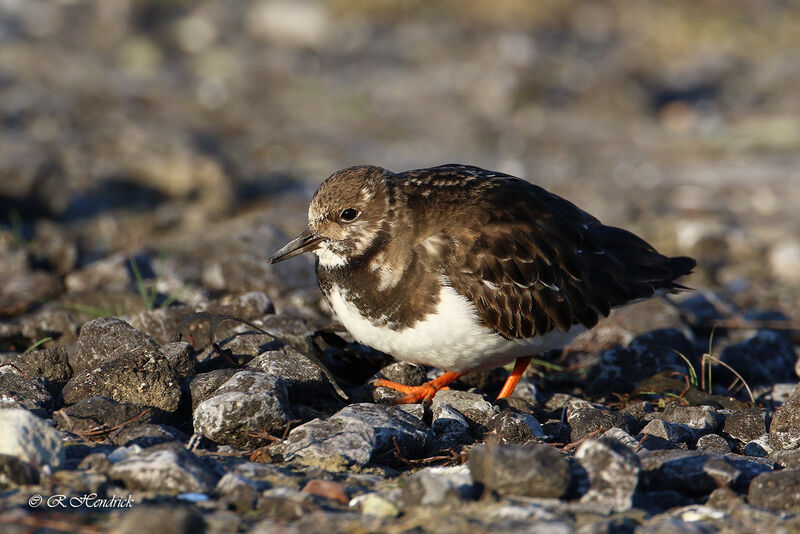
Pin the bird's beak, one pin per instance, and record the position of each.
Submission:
(305, 242)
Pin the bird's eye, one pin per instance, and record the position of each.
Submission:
(348, 215)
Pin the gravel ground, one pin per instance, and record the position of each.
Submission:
(153, 154)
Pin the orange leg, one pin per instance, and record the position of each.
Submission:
(423, 393)
(513, 378)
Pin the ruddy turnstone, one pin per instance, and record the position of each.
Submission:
(461, 268)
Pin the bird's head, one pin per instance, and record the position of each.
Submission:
(347, 215)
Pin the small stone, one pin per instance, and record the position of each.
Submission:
(250, 402)
(50, 364)
(449, 422)
(620, 370)
(433, 486)
(15, 472)
(703, 419)
(746, 425)
(106, 274)
(676, 433)
(170, 471)
(773, 352)
(516, 428)
(358, 434)
(713, 443)
(29, 438)
(776, 491)
(613, 472)
(789, 459)
(375, 505)
(526, 470)
(474, 407)
(146, 378)
(327, 489)
(179, 355)
(147, 435)
(758, 447)
(784, 430)
(110, 338)
(160, 519)
(29, 393)
(101, 412)
(202, 386)
(583, 419)
(694, 473)
(304, 381)
(619, 435)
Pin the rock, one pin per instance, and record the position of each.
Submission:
(475, 409)
(147, 435)
(583, 419)
(675, 433)
(107, 339)
(702, 419)
(162, 323)
(168, 470)
(238, 265)
(358, 434)
(377, 506)
(789, 459)
(784, 260)
(29, 438)
(773, 352)
(101, 412)
(622, 437)
(746, 425)
(515, 428)
(327, 489)
(50, 364)
(250, 402)
(713, 443)
(145, 378)
(776, 491)
(695, 474)
(526, 470)
(784, 430)
(160, 519)
(620, 370)
(613, 471)
(180, 357)
(203, 385)
(433, 486)
(107, 274)
(15, 472)
(450, 426)
(16, 391)
(304, 381)
(758, 447)
(239, 492)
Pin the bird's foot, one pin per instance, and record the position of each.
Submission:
(414, 394)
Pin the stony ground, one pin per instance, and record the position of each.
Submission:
(153, 154)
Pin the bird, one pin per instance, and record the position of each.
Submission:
(465, 269)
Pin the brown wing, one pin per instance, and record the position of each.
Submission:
(531, 261)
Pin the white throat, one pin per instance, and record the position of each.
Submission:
(328, 258)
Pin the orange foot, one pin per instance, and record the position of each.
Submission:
(414, 394)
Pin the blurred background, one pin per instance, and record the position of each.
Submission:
(190, 135)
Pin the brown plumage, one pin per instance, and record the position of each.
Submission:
(528, 262)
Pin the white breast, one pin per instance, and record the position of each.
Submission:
(451, 338)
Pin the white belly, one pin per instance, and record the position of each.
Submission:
(451, 338)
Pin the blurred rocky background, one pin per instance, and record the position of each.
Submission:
(127, 125)
(154, 153)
